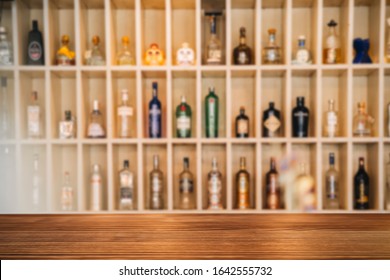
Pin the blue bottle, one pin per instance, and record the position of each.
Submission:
(155, 114)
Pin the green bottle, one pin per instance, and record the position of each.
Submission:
(211, 104)
(183, 119)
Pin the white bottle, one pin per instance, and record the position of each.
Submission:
(96, 193)
(331, 121)
(34, 127)
(67, 194)
(36, 185)
(125, 112)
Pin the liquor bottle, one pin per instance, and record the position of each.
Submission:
(185, 55)
(332, 51)
(273, 190)
(64, 55)
(155, 114)
(183, 119)
(331, 121)
(332, 185)
(243, 186)
(66, 194)
(34, 119)
(214, 180)
(302, 56)
(96, 192)
(362, 187)
(94, 56)
(300, 119)
(5, 118)
(36, 185)
(125, 57)
(242, 54)
(6, 52)
(387, 194)
(126, 181)
(35, 49)
(388, 120)
(211, 106)
(272, 52)
(187, 196)
(271, 121)
(305, 193)
(214, 47)
(96, 125)
(242, 124)
(156, 186)
(362, 122)
(388, 41)
(154, 55)
(67, 127)
(125, 114)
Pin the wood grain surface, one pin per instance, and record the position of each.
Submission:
(190, 236)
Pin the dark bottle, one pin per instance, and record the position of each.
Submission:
(362, 187)
(271, 121)
(242, 124)
(273, 192)
(35, 50)
(300, 119)
(155, 114)
(242, 54)
(211, 108)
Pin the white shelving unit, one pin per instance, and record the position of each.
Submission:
(169, 23)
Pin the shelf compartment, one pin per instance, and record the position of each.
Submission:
(386, 103)
(385, 177)
(9, 192)
(6, 21)
(10, 103)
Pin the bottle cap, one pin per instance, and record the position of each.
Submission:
(96, 105)
(242, 109)
(272, 104)
(4, 81)
(125, 94)
(242, 30)
(155, 85)
(271, 31)
(126, 164)
(211, 89)
(68, 115)
(3, 30)
(96, 167)
(186, 161)
(34, 95)
(154, 46)
(65, 39)
(95, 40)
(185, 45)
(125, 40)
(332, 23)
(214, 161)
(300, 99)
(35, 24)
(183, 99)
(302, 38)
(331, 158)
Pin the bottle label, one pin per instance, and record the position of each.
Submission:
(331, 55)
(242, 58)
(126, 194)
(155, 115)
(156, 185)
(273, 201)
(242, 127)
(125, 180)
(362, 197)
(95, 130)
(125, 111)
(212, 116)
(272, 185)
(332, 188)
(35, 51)
(243, 192)
(186, 186)
(303, 56)
(96, 192)
(67, 197)
(272, 123)
(185, 56)
(214, 56)
(271, 55)
(331, 123)
(66, 130)
(5, 55)
(214, 187)
(183, 123)
(33, 113)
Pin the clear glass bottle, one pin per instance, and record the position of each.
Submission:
(125, 114)
(96, 189)
(66, 194)
(388, 41)
(331, 120)
(6, 52)
(96, 125)
(183, 119)
(362, 122)
(388, 120)
(243, 186)
(126, 181)
(332, 185)
(332, 51)
(34, 117)
(273, 190)
(361, 187)
(94, 56)
(5, 118)
(36, 185)
(214, 46)
(242, 54)
(156, 180)
(67, 127)
(64, 55)
(387, 192)
(125, 57)
(214, 179)
(302, 56)
(305, 192)
(272, 52)
(211, 109)
(186, 183)
(242, 124)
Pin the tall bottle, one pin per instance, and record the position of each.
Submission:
(183, 119)
(242, 124)
(271, 121)
(331, 121)
(305, 193)
(332, 51)
(362, 187)
(187, 196)
(155, 114)
(214, 179)
(387, 194)
(214, 47)
(242, 54)
(212, 107)
(362, 122)
(300, 119)
(6, 52)
(35, 49)
(125, 57)
(34, 117)
(96, 125)
(126, 181)
(272, 52)
(94, 56)
(388, 41)
(37, 200)
(125, 114)
(243, 186)
(5, 118)
(332, 185)
(156, 180)
(66, 194)
(273, 190)
(96, 187)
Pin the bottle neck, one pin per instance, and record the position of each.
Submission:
(272, 165)
(242, 39)
(186, 164)
(155, 163)
(361, 164)
(66, 179)
(36, 163)
(242, 112)
(214, 165)
(271, 39)
(242, 163)
(331, 161)
(213, 26)
(300, 103)
(331, 105)
(301, 44)
(332, 31)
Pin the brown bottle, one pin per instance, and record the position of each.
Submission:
(273, 192)
(242, 185)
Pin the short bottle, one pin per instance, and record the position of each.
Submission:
(35, 49)
(126, 187)
(5, 116)
(272, 52)
(302, 56)
(96, 189)
(361, 187)
(156, 180)
(185, 56)
(96, 125)
(305, 193)
(332, 185)
(212, 115)
(67, 127)
(155, 126)
(214, 46)
(125, 57)
(214, 180)
(271, 121)
(242, 124)
(94, 56)
(6, 52)
(34, 117)
(183, 119)
(273, 190)
(242, 54)
(331, 120)
(154, 56)
(186, 187)
(362, 122)
(387, 193)
(300, 119)
(124, 116)
(243, 186)
(332, 51)
(64, 55)
(67, 194)
(37, 188)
